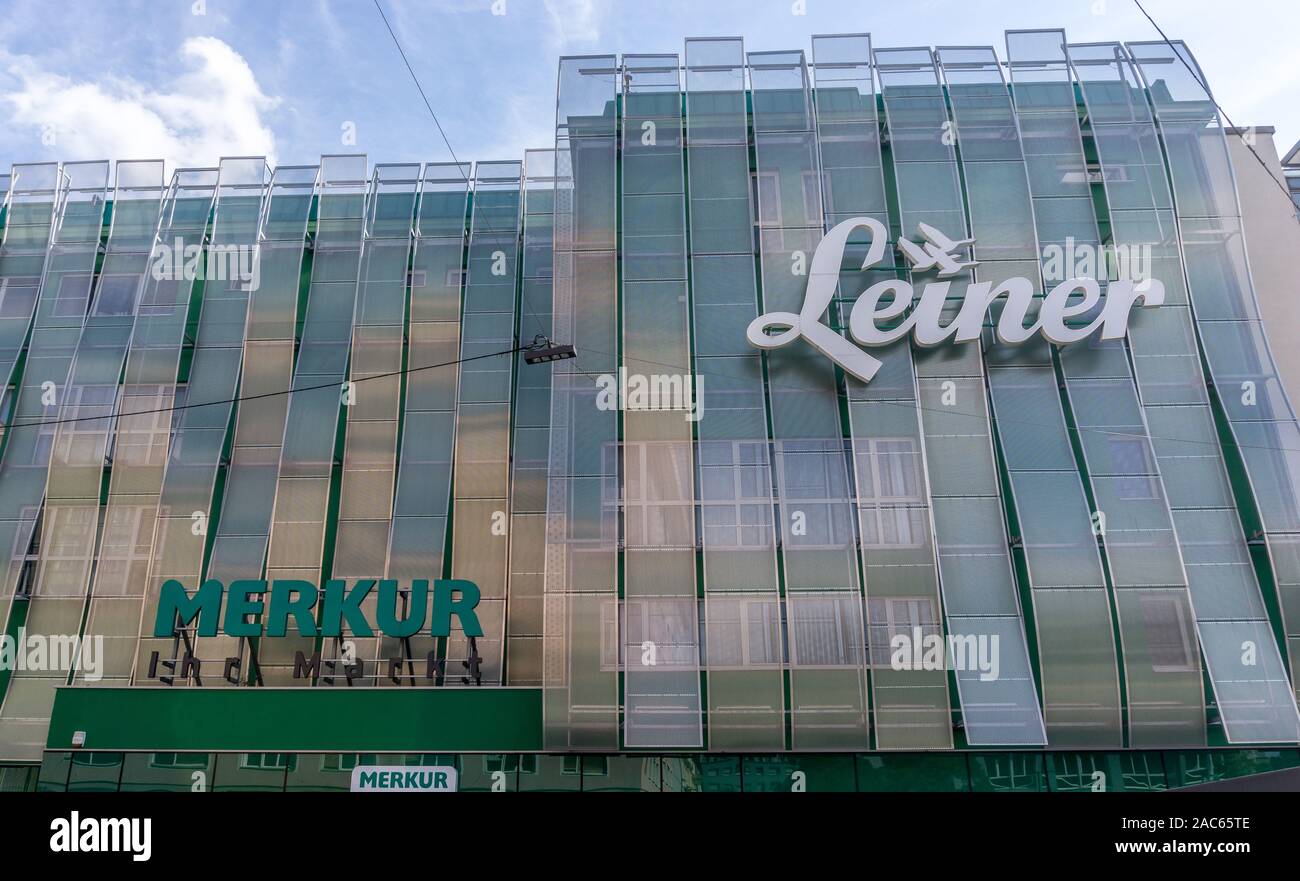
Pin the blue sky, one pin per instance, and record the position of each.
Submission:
(193, 80)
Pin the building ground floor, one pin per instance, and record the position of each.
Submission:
(274, 740)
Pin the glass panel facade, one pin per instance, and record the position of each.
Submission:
(1226, 311)
(373, 401)
(245, 489)
(823, 593)
(660, 621)
(710, 561)
(530, 444)
(1244, 663)
(1130, 511)
(480, 542)
(580, 639)
(975, 567)
(744, 639)
(153, 444)
(73, 361)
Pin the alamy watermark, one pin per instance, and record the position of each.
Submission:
(50, 652)
(959, 652)
(182, 262)
(1072, 259)
(651, 391)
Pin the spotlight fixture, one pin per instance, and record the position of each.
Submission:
(544, 350)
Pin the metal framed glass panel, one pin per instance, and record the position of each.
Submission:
(976, 574)
(659, 626)
(580, 650)
(1226, 309)
(30, 212)
(302, 497)
(1255, 700)
(372, 401)
(1082, 706)
(891, 489)
(422, 494)
(480, 539)
(75, 361)
(531, 427)
(1165, 699)
(151, 437)
(235, 548)
(744, 640)
(823, 599)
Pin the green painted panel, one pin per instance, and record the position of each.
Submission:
(289, 719)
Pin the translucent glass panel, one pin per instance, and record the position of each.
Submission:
(1165, 700)
(30, 189)
(848, 132)
(660, 630)
(1254, 703)
(372, 413)
(580, 661)
(149, 439)
(133, 333)
(824, 609)
(1080, 667)
(422, 495)
(480, 540)
(296, 542)
(238, 548)
(60, 309)
(743, 638)
(34, 190)
(974, 567)
(531, 430)
(1225, 307)
(910, 704)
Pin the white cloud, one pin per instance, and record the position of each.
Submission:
(214, 109)
(572, 22)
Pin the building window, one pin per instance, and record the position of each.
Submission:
(178, 760)
(658, 498)
(768, 198)
(126, 548)
(811, 481)
(899, 616)
(891, 497)
(825, 631)
(116, 294)
(1132, 458)
(743, 632)
(1169, 640)
(72, 295)
(267, 761)
(142, 437)
(341, 763)
(17, 297)
(736, 499)
(667, 623)
(84, 442)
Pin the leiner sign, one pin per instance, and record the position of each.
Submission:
(923, 321)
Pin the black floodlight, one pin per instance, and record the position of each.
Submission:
(543, 351)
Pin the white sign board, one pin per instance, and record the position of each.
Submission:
(403, 778)
(1062, 318)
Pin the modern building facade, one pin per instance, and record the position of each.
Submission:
(775, 526)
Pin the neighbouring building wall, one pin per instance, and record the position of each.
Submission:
(1272, 243)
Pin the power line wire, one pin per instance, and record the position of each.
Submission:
(41, 423)
(459, 165)
(1240, 132)
(917, 406)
